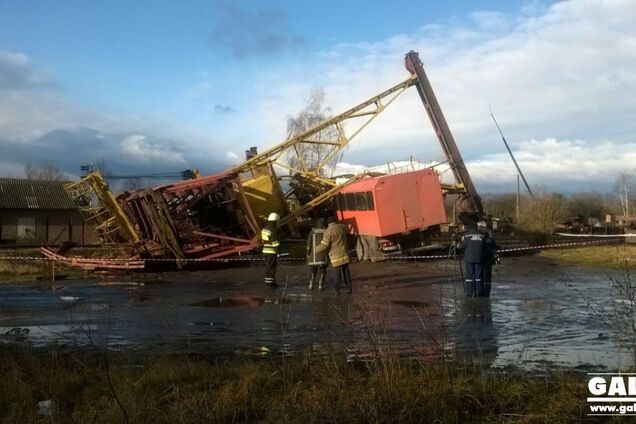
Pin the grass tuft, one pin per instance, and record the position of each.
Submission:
(614, 256)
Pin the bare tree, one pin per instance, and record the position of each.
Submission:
(309, 155)
(539, 215)
(502, 205)
(43, 172)
(625, 189)
(586, 205)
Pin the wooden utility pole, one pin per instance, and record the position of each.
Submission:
(512, 156)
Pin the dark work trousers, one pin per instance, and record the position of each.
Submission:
(473, 283)
(343, 277)
(320, 271)
(486, 275)
(270, 267)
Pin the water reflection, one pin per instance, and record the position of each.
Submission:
(529, 321)
(475, 336)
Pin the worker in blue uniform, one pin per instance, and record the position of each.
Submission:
(491, 257)
(472, 246)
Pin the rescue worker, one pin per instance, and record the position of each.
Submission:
(472, 245)
(269, 236)
(490, 258)
(334, 241)
(317, 261)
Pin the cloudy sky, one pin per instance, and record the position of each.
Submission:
(162, 86)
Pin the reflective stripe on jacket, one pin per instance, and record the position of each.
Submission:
(269, 236)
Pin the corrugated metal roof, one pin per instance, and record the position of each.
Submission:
(34, 194)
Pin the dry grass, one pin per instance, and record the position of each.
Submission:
(169, 390)
(19, 269)
(615, 256)
(29, 270)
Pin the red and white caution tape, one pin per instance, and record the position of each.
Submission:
(292, 259)
(597, 235)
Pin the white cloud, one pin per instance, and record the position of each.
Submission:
(138, 147)
(559, 165)
(567, 72)
(344, 168)
(12, 169)
(37, 115)
(551, 162)
(561, 81)
(17, 72)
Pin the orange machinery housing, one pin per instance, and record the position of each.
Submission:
(392, 204)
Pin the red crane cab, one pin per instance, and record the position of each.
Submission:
(391, 205)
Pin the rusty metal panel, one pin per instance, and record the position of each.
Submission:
(205, 217)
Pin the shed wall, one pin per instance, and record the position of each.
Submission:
(37, 226)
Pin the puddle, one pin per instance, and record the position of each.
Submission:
(41, 335)
(230, 302)
(410, 303)
(252, 302)
(551, 318)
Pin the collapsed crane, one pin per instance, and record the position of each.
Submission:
(219, 215)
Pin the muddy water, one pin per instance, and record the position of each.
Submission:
(540, 315)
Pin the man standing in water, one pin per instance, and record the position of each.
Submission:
(472, 245)
(490, 258)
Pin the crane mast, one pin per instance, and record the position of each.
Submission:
(447, 141)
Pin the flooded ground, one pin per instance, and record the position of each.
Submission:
(540, 315)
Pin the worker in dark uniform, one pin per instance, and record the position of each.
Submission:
(317, 261)
(472, 245)
(334, 241)
(269, 236)
(490, 258)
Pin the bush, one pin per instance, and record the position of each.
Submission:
(539, 215)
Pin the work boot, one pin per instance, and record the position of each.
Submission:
(273, 285)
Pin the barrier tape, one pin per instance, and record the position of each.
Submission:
(597, 235)
(260, 259)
